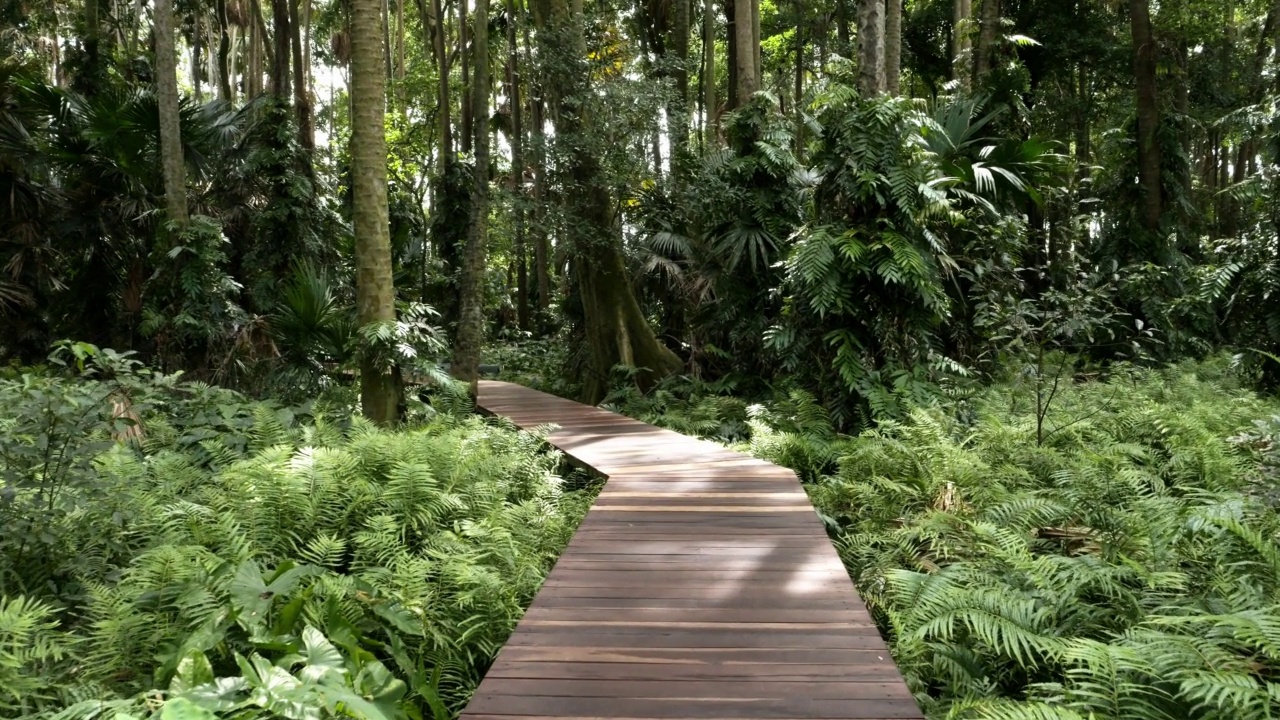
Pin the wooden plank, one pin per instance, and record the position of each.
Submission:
(485, 703)
(700, 585)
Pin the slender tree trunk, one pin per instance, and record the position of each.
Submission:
(615, 327)
(463, 34)
(893, 47)
(1144, 71)
(755, 43)
(801, 27)
(744, 28)
(541, 244)
(171, 158)
(678, 113)
(280, 61)
(197, 92)
(375, 291)
(871, 78)
(470, 338)
(92, 44)
(224, 51)
(960, 42)
(710, 109)
(988, 32)
(301, 94)
(517, 170)
(253, 65)
(442, 85)
(386, 39)
(731, 60)
(844, 38)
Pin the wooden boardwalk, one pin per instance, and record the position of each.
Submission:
(701, 584)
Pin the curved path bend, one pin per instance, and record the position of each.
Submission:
(701, 584)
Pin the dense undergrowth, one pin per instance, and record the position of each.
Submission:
(1112, 556)
(174, 549)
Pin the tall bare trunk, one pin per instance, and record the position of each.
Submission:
(517, 169)
(196, 47)
(463, 34)
(893, 47)
(678, 112)
(961, 41)
(438, 42)
(709, 107)
(281, 35)
(541, 244)
(1144, 72)
(253, 66)
(871, 78)
(470, 338)
(224, 51)
(375, 291)
(731, 44)
(988, 32)
(171, 158)
(301, 94)
(843, 37)
(745, 21)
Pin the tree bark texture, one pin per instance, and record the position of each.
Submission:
(375, 292)
(301, 96)
(224, 51)
(893, 47)
(711, 111)
(871, 25)
(280, 42)
(172, 163)
(517, 170)
(988, 33)
(744, 27)
(470, 337)
(466, 75)
(1144, 72)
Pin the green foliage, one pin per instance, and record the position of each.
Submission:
(1126, 566)
(218, 556)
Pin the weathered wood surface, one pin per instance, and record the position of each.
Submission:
(701, 584)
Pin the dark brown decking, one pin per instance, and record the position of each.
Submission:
(700, 585)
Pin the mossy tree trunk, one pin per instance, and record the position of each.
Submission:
(616, 330)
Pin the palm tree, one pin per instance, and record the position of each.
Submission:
(375, 292)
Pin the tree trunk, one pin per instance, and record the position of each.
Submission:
(466, 75)
(615, 328)
(470, 338)
(871, 78)
(893, 47)
(678, 112)
(253, 66)
(709, 108)
(517, 170)
(1144, 71)
(744, 28)
(171, 158)
(755, 43)
(961, 56)
(375, 291)
(196, 91)
(386, 39)
(280, 61)
(301, 97)
(442, 85)
(541, 245)
(843, 36)
(224, 51)
(731, 44)
(988, 32)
